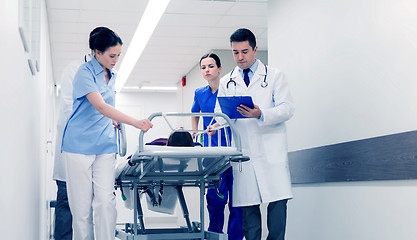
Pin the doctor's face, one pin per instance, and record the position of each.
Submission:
(209, 69)
(244, 54)
(109, 58)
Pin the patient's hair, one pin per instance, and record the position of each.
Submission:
(180, 138)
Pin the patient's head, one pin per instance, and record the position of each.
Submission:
(180, 138)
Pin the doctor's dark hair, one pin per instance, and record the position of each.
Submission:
(214, 56)
(93, 35)
(243, 34)
(106, 38)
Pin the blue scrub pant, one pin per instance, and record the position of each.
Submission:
(216, 205)
(63, 217)
(276, 221)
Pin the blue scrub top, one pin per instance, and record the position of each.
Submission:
(88, 131)
(205, 101)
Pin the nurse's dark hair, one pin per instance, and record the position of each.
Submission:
(106, 38)
(243, 34)
(93, 35)
(214, 56)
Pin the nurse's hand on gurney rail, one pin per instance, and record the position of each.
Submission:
(109, 111)
(212, 132)
(116, 125)
(143, 124)
(246, 111)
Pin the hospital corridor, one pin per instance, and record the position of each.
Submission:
(208, 119)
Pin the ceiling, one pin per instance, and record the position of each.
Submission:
(187, 30)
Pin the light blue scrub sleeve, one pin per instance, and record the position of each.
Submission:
(84, 82)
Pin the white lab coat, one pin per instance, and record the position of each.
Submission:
(265, 177)
(65, 110)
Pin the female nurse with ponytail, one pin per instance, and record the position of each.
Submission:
(89, 142)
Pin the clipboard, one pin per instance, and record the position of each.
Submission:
(229, 105)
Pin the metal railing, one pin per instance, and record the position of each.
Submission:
(235, 134)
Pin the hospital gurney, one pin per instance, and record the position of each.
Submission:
(151, 168)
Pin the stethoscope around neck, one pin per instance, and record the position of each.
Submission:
(263, 84)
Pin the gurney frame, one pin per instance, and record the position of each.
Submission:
(146, 170)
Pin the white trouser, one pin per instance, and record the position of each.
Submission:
(90, 187)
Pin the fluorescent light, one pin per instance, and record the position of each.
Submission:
(131, 87)
(146, 26)
(158, 88)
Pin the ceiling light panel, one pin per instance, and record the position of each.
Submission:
(150, 19)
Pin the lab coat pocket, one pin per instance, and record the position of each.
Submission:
(274, 146)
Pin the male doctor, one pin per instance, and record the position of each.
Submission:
(265, 178)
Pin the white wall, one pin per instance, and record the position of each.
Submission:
(25, 104)
(351, 69)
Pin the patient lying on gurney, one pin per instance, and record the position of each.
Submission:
(155, 202)
(180, 138)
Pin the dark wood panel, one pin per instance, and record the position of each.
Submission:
(391, 157)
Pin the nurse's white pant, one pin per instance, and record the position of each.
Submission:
(90, 187)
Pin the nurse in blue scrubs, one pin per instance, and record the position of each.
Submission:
(89, 142)
(205, 101)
